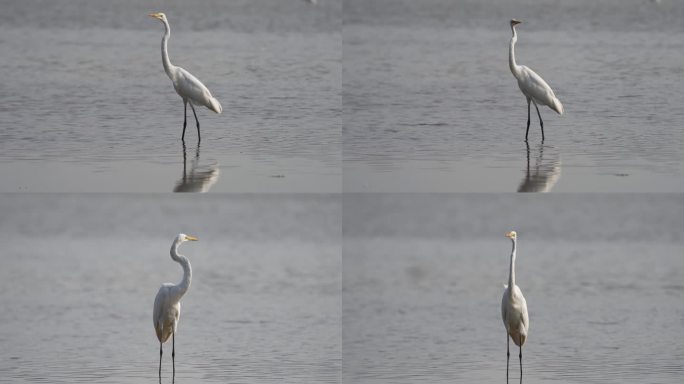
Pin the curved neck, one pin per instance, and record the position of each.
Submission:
(511, 52)
(511, 272)
(164, 49)
(187, 270)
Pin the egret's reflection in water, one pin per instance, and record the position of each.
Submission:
(198, 178)
(545, 173)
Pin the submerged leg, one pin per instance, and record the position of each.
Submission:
(540, 120)
(160, 358)
(197, 121)
(508, 355)
(173, 355)
(528, 119)
(185, 117)
(520, 356)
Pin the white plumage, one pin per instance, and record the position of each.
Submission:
(188, 87)
(514, 309)
(166, 311)
(535, 89)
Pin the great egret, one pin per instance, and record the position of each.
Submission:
(167, 303)
(188, 87)
(531, 85)
(514, 310)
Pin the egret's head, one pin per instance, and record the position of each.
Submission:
(512, 235)
(159, 16)
(514, 22)
(181, 238)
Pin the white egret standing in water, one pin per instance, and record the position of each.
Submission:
(190, 89)
(167, 303)
(532, 85)
(514, 310)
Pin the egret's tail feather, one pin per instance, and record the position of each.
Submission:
(557, 106)
(215, 105)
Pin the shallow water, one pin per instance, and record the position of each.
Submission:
(86, 106)
(430, 103)
(424, 274)
(80, 272)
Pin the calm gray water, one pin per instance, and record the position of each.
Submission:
(430, 103)
(80, 272)
(86, 106)
(602, 274)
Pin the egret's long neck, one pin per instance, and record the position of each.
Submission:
(164, 49)
(511, 53)
(187, 270)
(511, 272)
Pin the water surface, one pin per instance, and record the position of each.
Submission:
(86, 106)
(431, 106)
(424, 274)
(80, 272)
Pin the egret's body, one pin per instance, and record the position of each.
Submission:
(166, 311)
(514, 309)
(531, 85)
(188, 87)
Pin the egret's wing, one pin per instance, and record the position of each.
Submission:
(525, 316)
(535, 87)
(166, 311)
(159, 302)
(188, 86)
(504, 305)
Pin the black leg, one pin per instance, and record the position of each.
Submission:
(197, 121)
(540, 120)
(520, 356)
(173, 357)
(528, 119)
(160, 358)
(508, 355)
(185, 118)
(185, 161)
(527, 145)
